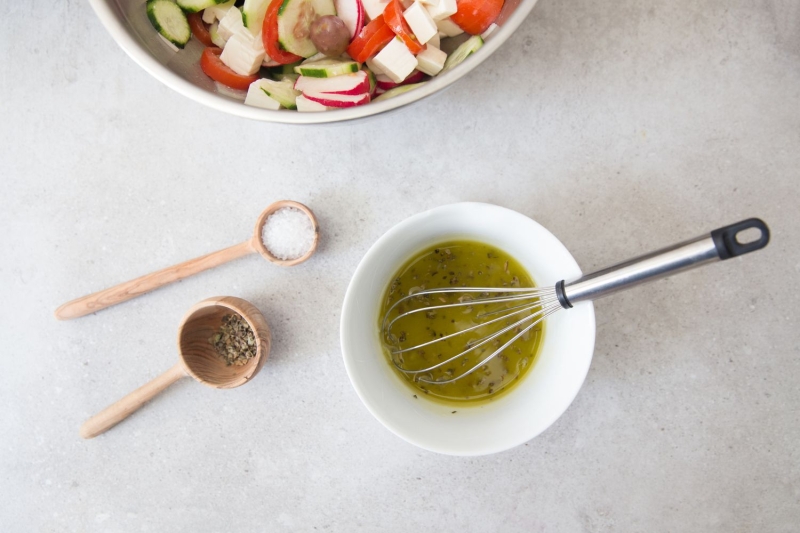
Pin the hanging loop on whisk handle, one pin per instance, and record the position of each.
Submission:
(721, 244)
(727, 242)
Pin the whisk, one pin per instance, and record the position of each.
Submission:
(531, 306)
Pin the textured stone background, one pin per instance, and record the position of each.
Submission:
(619, 125)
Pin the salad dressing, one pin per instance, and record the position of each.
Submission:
(457, 264)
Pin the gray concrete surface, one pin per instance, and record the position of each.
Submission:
(618, 125)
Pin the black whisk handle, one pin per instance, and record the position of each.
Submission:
(727, 242)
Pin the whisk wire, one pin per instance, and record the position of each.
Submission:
(538, 302)
(469, 349)
(521, 309)
(543, 312)
(542, 300)
(472, 347)
(547, 312)
(530, 293)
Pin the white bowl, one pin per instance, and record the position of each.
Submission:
(126, 21)
(534, 403)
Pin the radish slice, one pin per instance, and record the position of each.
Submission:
(357, 83)
(386, 83)
(338, 100)
(352, 14)
(304, 105)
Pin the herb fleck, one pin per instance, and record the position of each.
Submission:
(234, 341)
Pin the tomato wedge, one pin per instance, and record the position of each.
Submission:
(370, 39)
(269, 35)
(475, 16)
(199, 29)
(215, 69)
(394, 18)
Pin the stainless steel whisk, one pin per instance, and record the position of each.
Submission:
(540, 303)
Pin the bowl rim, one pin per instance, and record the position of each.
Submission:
(349, 356)
(130, 44)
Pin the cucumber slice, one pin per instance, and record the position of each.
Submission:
(316, 57)
(216, 38)
(253, 13)
(326, 68)
(277, 73)
(391, 93)
(168, 20)
(373, 81)
(283, 72)
(288, 69)
(467, 48)
(294, 22)
(193, 6)
(281, 91)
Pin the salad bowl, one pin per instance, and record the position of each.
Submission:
(128, 24)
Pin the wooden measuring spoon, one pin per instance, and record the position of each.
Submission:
(198, 359)
(131, 289)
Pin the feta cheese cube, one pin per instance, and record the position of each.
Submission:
(435, 41)
(217, 11)
(373, 67)
(420, 22)
(242, 55)
(209, 17)
(374, 8)
(257, 97)
(448, 27)
(490, 30)
(396, 61)
(431, 60)
(257, 44)
(231, 24)
(441, 9)
(304, 105)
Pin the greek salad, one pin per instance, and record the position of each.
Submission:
(317, 55)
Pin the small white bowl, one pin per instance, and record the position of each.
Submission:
(534, 403)
(126, 21)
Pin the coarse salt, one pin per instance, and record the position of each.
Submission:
(288, 233)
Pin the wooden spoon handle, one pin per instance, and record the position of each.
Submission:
(132, 289)
(117, 412)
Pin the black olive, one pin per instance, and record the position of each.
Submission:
(330, 35)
